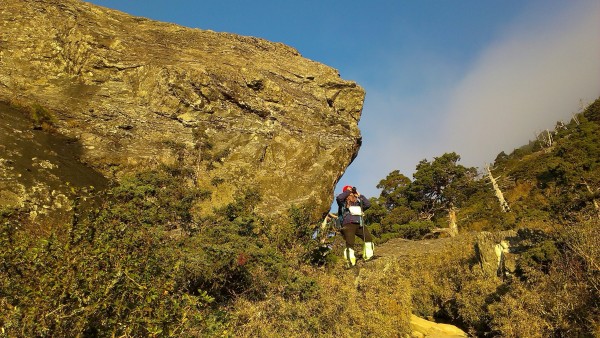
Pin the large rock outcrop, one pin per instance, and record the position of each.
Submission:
(240, 111)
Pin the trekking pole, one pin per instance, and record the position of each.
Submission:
(362, 224)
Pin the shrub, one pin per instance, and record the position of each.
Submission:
(413, 230)
(95, 279)
(538, 257)
(40, 116)
(160, 197)
(122, 271)
(343, 306)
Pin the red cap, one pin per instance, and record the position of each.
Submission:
(347, 187)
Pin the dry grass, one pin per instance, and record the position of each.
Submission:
(448, 285)
(562, 302)
(376, 303)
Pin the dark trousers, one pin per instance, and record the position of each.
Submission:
(353, 229)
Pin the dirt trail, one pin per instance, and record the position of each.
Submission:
(400, 247)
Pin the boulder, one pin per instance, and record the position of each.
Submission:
(423, 328)
(495, 252)
(240, 112)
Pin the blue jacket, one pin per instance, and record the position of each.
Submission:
(341, 201)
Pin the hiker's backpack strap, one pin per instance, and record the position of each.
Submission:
(341, 212)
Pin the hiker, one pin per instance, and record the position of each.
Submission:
(351, 205)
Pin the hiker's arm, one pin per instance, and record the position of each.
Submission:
(365, 202)
(341, 198)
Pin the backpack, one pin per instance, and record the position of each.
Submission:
(340, 219)
(355, 210)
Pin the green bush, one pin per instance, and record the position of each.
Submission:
(127, 269)
(95, 279)
(40, 116)
(538, 257)
(386, 237)
(161, 197)
(559, 297)
(413, 230)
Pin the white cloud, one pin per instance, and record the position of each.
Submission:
(525, 82)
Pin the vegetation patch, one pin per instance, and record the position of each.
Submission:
(148, 262)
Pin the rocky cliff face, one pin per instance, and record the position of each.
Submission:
(240, 111)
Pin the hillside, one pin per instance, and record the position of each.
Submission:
(122, 269)
(167, 182)
(553, 180)
(528, 269)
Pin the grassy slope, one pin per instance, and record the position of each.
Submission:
(125, 270)
(555, 288)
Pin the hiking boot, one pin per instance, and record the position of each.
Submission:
(368, 250)
(349, 257)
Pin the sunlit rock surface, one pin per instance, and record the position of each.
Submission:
(136, 93)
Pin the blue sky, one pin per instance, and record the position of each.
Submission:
(471, 76)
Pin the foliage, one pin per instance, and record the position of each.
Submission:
(393, 190)
(482, 211)
(413, 230)
(162, 197)
(550, 184)
(141, 265)
(556, 295)
(540, 256)
(560, 294)
(100, 278)
(446, 287)
(144, 265)
(542, 184)
(438, 186)
(552, 191)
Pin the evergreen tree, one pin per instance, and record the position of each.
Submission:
(394, 188)
(441, 185)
